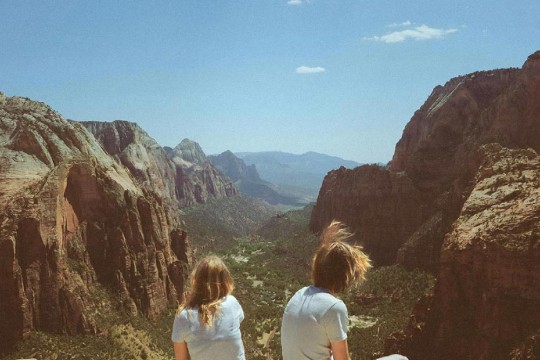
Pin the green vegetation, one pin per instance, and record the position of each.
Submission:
(135, 339)
(269, 262)
(214, 226)
(267, 273)
(384, 301)
(120, 336)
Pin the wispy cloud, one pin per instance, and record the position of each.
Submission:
(295, 2)
(309, 70)
(405, 23)
(422, 32)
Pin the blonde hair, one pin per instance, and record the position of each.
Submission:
(336, 264)
(211, 281)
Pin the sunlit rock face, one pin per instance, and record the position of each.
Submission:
(487, 298)
(438, 154)
(184, 175)
(72, 218)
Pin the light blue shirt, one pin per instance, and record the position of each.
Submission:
(222, 340)
(312, 320)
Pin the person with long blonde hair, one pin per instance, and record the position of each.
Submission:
(315, 321)
(207, 325)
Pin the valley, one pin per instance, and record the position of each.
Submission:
(269, 264)
(101, 226)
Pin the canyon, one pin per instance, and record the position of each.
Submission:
(94, 213)
(402, 211)
(458, 199)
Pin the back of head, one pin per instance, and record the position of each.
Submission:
(211, 281)
(336, 264)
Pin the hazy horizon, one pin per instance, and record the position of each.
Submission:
(338, 78)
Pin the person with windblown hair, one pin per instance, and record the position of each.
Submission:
(315, 321)
(207, 325)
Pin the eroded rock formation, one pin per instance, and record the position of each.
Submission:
(183, 176)
(487, 298)
(380, 207)
(438, 154)
(72, 220)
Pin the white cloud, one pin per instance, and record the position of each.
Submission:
(405, 23)
(422, 32)
(294, 2)
(309, 70)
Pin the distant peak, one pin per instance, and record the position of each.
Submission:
(191, 151)
(228, 153)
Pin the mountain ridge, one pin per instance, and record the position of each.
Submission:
(300, 175)
(248, 181)
(182, 175)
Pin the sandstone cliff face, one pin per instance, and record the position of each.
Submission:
(380, 207)
(487, 298)
(183, 176)
(131, 146)
(197, 179)
(438, 153)
(72, 219)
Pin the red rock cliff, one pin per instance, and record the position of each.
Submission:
(438, 154)
(380, 206)
(72, 219)
(487, 297)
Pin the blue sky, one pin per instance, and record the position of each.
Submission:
(337, 77)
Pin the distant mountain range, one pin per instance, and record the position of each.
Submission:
(247, 180)
(295, 175)
(279, 178)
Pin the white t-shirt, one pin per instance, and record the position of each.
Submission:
(222, 340)
(312, 320)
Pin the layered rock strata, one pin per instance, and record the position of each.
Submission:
(72, 220)
(183, 175)
(487, 297)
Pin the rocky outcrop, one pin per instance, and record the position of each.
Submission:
(438, 153)
(487, 297)
(182, 175)
(380, 206)
(72, 220)
(247, 179)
